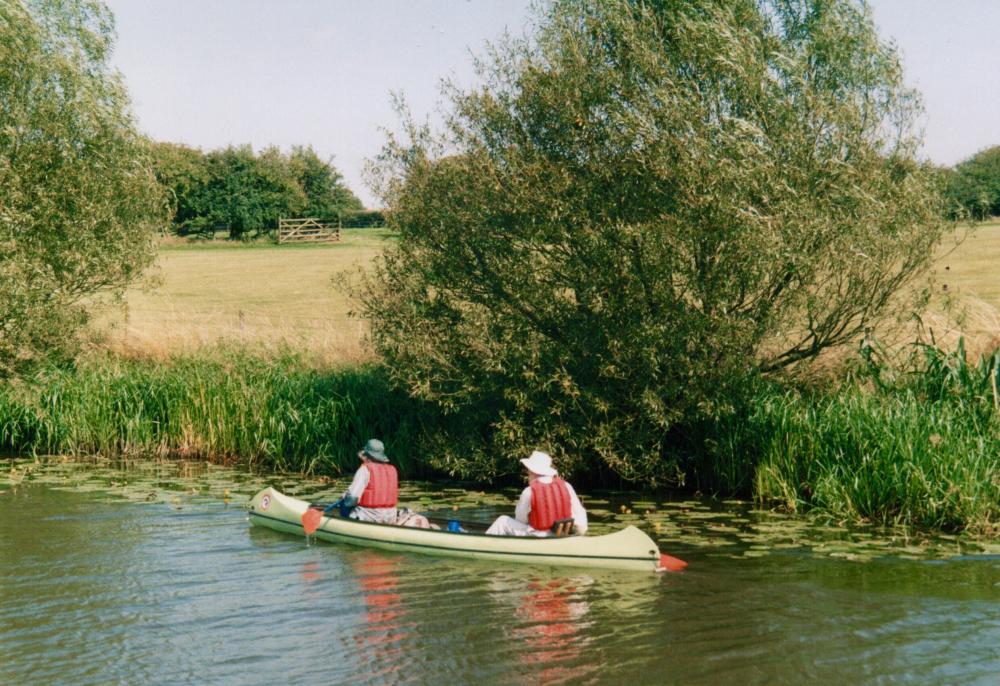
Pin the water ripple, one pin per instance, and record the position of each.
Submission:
(94, 591)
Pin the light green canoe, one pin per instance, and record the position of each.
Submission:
(629, 548)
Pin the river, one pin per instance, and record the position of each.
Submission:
(149, 573)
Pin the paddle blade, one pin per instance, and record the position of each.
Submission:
(670, 564)
(311, 519)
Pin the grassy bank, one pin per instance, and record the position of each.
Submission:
(920, 449)
(918, 446)
(272, 413)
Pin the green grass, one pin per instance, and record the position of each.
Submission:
(267, 413)
(920, 449)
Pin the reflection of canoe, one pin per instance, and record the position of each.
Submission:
(629, 548)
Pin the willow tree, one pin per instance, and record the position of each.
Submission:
(77, 195)
(644, 203)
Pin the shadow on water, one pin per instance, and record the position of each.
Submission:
(150, 573)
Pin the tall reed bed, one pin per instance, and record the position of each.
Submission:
(916, 446)
(269, 412)
(919, 447)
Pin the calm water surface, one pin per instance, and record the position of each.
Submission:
(152, 575)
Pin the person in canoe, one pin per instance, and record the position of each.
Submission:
(548, 502)
(373, 492)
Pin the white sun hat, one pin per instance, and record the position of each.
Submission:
(539, 463)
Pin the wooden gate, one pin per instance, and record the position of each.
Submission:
(308, 230)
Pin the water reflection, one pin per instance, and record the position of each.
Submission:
(549, 619)
(385, 631)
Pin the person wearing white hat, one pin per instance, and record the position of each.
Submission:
(546, 501)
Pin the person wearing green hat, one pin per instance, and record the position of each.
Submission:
(373, 492)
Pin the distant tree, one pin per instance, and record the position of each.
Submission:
(185, 174)
(248, 193)
(323, 185)
(645, 203)
(79, 204)
(975, 185)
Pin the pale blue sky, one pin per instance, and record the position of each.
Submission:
(210, 73)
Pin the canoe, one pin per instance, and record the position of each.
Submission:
(629, 548)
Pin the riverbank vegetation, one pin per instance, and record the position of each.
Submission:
(78, 201)
(272, 413)
(917, 445)
(644, 208)
(885, 438)
(635, 247)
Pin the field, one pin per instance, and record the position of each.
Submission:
(966, 283)
(257, 295)
(972, 268)
(266, 296)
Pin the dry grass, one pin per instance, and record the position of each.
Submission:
(258, 295)
(273, 298)
(971, 267)
(966, 285)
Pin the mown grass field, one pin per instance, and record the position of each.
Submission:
(972, 268)
(965, 282)
(257, 295)
(265, 296)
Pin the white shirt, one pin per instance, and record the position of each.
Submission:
(579, 514)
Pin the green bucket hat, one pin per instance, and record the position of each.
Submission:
(374, 450)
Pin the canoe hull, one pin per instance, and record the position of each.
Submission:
(629, 548)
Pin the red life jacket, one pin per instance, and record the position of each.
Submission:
(383, 486)
(549, 503)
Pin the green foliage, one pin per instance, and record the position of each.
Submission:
(323, 185)
(245, 192)
(248, 193)
(78, 201)
(274, 414)
(918, 447)
(184, 173)
(644, 205)
(363, 219)
(974, 187)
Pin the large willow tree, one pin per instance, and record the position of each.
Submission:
(77, 195)
(645, 203)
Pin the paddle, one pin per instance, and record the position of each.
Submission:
(670, 564)
(311, 519)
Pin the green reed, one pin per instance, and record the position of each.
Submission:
(272, 413)
(915, 447)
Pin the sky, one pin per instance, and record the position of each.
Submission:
(211, 73)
